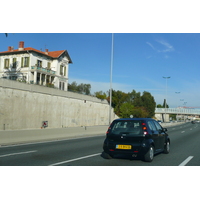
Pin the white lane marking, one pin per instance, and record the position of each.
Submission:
(13, 154)
(186, 161)
(67, 161)
(182, 131)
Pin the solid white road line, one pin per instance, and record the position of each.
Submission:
(186, 161)
(67, 161)
(13, 154)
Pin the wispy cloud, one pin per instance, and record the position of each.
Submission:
(167, 47)
(151, 45)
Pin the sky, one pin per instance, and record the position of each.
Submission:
(140, 61)
(152, 40)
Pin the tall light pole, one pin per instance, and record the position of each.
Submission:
(166, 78)
(111, 66)
(177, 107)
(177, 93)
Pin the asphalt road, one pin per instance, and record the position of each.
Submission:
(184, 151)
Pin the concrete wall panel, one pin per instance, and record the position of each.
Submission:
(24, 107)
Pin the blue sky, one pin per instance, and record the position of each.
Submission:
(140, 61)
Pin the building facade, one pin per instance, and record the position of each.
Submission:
(36, 67)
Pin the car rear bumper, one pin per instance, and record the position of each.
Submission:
(137, 151)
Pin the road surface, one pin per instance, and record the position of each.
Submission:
(184, 151)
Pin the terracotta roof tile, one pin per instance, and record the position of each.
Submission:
(53, 54)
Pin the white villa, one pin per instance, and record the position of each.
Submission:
(36, 67)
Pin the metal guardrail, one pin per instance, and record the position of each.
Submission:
(177, 111)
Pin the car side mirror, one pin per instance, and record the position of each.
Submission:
(165, 129)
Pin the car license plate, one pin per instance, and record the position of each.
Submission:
(119, 146)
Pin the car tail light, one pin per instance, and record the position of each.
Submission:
(144, 129)
(108, 130)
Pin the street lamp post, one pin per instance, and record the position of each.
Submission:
(111, 66)
(177, 107)
(166, 78)
(177, 93)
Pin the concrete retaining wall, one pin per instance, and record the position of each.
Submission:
(24, 106)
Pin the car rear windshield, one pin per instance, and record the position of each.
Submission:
(126, 127)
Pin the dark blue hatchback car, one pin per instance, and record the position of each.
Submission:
(136, 137)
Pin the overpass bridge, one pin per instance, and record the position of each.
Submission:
(162, 113)
(178, 111)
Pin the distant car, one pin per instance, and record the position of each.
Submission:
(136, 137)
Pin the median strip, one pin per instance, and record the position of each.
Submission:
(186, 161)
(72, 160)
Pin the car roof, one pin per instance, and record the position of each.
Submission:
(133, 119)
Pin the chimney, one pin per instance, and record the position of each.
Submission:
(46, 51)
(9, 48)
(21, 45)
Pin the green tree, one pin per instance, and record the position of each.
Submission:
(118, 98)
(81, 88)
(137, 101)
(84, 88)
(159, 106)
(132, 103)
(140, 112)
(100, 95)
(148, 103)
(165, 103)
(126, 110)
(87, 89)
(131, 96)
(73, 86)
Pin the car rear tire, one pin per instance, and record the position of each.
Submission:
(148, 157)
(106, 155)
(166, 148)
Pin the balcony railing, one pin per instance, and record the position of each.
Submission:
(43, 69)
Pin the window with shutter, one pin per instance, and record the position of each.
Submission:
(14, 62)
(22, 62)
(39, 63)
(48, 65)
(61, 70)
(65, 71)
(26, 62)
(6, 63)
